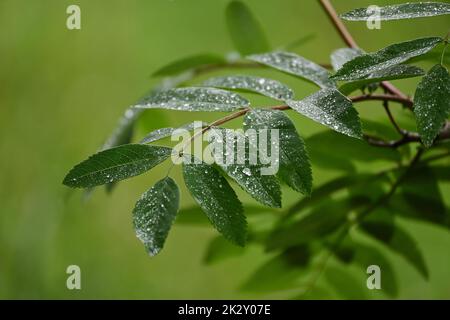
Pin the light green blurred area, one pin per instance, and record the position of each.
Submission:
(62, 93)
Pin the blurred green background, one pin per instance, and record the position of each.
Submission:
(61, 95)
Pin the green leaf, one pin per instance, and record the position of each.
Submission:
(400, 71)
(219, 249)
(267, 87)
(361, 66)
(245, 31)
(154, 214)
(400, 11)
(217, 199)
(162, 133)
(344, 283)
(340, 146)
(332, 109)
(194, 99)
(189, 63)
(365, 255)
(263, 188)
(419, 197)
(115, 164)
(294, 166)
(432, 103)
(341, 56)
(368, 255)
(399, 241)
(322, 221)
(281, 272)
(327, 189)
(294, 64)
(193, 215)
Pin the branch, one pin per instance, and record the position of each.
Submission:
(407, 102)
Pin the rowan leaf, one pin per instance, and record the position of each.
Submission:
(245, 31)
(400, 71)
(234, 161)
(432, 103)
(217, 200)
(332, 109)
(266, 87)
(343, 55)
(294, 64)
(363, 65)
(399, 241)
(154, 214)
(194, 99)
(115, 164)
(400, 11)
(294, 166)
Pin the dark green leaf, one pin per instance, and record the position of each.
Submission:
(361, 66)
(340, 146)
(345, 284)
(267, 87)
(432, 103)
(115, 164)
(217, 199)
(220, 249)
(250, 177)
(325, 190)
(400, 11)
(294, 167)
(281, 272)
(194, 99)
(193, 215)
(400, 71)
(296, 65)
(364, 255)
(322, 221)
(154, 214)
(341, 56)
(245, 31)
(399, 241)
(330, 108)
(189, 63)
(419, 197)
